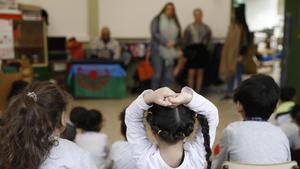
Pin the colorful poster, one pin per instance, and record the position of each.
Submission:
(6, 39)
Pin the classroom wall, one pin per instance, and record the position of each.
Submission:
(131, 18)
(128, 19)
(262, 14)
(67, 17)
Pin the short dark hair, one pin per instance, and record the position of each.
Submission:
(287, 93)
(295, 112)
(17, 87)
(258, 95)
(92, 121)
(123, 125)
(76, 116)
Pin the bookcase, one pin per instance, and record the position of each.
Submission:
(30, 36)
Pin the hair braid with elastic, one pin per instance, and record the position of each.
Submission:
(205, 132)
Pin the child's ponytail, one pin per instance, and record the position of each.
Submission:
(205, 131)
(30, 121)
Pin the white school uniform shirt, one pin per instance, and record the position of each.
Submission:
(147, 155)
(292, 131)
(67, 155)
(96, 144)
(253, 142)
(121, 155)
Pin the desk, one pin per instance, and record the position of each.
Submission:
(97, 80)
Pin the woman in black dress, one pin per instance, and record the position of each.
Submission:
(197, 36)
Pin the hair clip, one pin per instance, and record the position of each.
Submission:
(159, 131)
(32, 95)
(183, 134)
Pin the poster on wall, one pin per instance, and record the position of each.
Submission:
(6, 39)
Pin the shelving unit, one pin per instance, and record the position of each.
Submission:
(31, 39)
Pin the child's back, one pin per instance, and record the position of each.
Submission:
(121, 154)
(170, 126)
(69, 155)
(255, 142)
(96, 144)
(91, 139)
(292, 132)
(291, 128)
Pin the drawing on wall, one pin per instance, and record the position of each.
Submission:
(6, 39)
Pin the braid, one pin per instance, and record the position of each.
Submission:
(175, 124)
(205, 131)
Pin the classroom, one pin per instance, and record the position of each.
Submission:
(139, 84)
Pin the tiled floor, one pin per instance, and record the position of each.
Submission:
(111, 109)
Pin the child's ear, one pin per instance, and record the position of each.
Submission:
(63, 120)
(239, 107)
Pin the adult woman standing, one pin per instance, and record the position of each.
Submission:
(235, 50)
(197, 36)
(166, 33)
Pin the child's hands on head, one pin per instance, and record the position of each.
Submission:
(160, 96)
(181, 98)
(167, 97)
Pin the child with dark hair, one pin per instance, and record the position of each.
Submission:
(172, 117)
(17, 87)
(121, 151)
(254, 140)
(91, 139)
(75, 118)
(282, 114)
(292, 128)
(29, 136)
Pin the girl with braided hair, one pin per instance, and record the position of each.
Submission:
(172, 118)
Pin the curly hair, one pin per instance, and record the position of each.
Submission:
(175, 124)
(29, 123)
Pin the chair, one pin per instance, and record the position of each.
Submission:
(234, 165)
(296, 155)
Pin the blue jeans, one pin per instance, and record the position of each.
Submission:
(237, 77)
(161, 72)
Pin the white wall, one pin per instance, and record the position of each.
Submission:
(262, 14)
(131, 18)
(67, 17)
